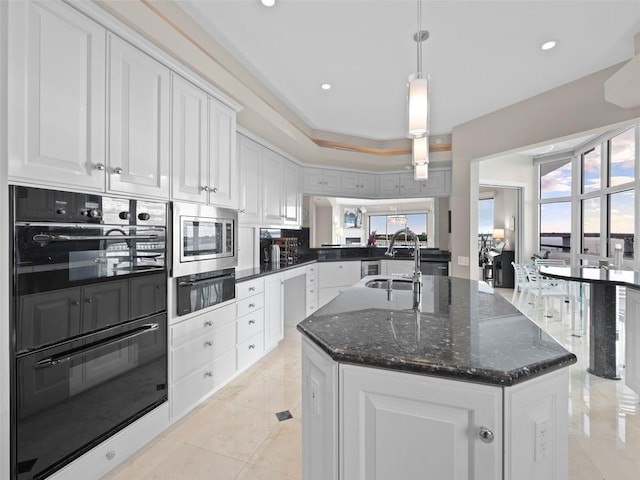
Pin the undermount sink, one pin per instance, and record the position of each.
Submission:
(396, 283)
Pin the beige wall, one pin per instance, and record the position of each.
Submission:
(576, 108)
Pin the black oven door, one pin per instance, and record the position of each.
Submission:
(72, 396)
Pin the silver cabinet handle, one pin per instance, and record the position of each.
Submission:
(75, 303)
(99, 166)
(242, 210)
(251, 322)
(89, 300)
(208, 374)
(252, 305)
(118, 171)
(205, 189)
(486, 435)
(208, 323)
(252, 289)
(215, 190)
(252, 346)
(208, 343)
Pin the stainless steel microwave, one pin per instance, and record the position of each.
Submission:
(204, 238)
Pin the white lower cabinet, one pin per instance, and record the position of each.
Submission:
(399, 425)
(362, 422)
(274, 310)
(202, 357)
(334, 278)
(250, 320)
(311, 304)
(397, 267)
(632, 340)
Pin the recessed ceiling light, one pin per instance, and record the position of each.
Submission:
(549, 45)
(325, 86)
(268, 3)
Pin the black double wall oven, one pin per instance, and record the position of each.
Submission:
(89, 322)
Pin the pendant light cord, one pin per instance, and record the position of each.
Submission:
(418, 36)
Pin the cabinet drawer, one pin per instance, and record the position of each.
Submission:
(250, 351)
(249, 325)
(190, 329)
(249, 288)
(203, 349)
(312, 279)
(249, 305)
(191, 389)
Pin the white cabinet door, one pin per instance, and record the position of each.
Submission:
(138, 122)
(249, 159)
(313, 180)
(408, 185)
(337, 274)
(190, 143)
(291, 195)
(389, 185)
(318, 180)
(222, 155)
(632, 340)
(437, 185)
(56, 96)
(273, 310)
(271, 187)
(358, 184)
(399, 425)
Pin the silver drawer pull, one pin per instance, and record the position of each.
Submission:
(252, 305)
(99, 166)
(208, 374)
(486, 435)
(251, 322)
(208, 323)
(252, 346)
(208, 343)
(117, 171)
(252, 289)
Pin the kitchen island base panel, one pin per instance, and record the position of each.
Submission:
(360, 422)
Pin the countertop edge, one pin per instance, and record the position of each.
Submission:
(451, 372)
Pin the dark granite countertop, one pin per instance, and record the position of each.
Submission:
(246, 274)
(593, 274)
(462, 332)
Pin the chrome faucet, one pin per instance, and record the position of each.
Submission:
(417, 274)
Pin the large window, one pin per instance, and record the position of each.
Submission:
(555, 206)
(555, 227)
(386, 225)
(601, 204)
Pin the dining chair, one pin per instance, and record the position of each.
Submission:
(521, 284)
(545, 288)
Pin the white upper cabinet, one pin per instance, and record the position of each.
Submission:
(272, 187)
(389, 185)
(291, 195)
(269, 186)
(204, 152)
(190, 132)
(223, 168)
(250, 183)
(438, 183)
(318, 180)
(56, 96)
(138, 122)
(358, 184)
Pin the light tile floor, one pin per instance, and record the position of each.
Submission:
(236, 435)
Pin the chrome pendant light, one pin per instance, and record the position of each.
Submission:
(418, 109)
(418, 98)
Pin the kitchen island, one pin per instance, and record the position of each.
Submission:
(458, 385)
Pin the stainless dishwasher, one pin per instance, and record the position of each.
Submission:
(369, 267)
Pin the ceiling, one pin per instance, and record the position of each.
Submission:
(481, 55)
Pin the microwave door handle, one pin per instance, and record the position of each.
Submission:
(204, 280)
(44, 237)
(70, 355)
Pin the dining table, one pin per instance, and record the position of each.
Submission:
(603, 281)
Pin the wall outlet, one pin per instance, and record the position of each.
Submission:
(464, 261)
(542, 438)
(315, 395)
